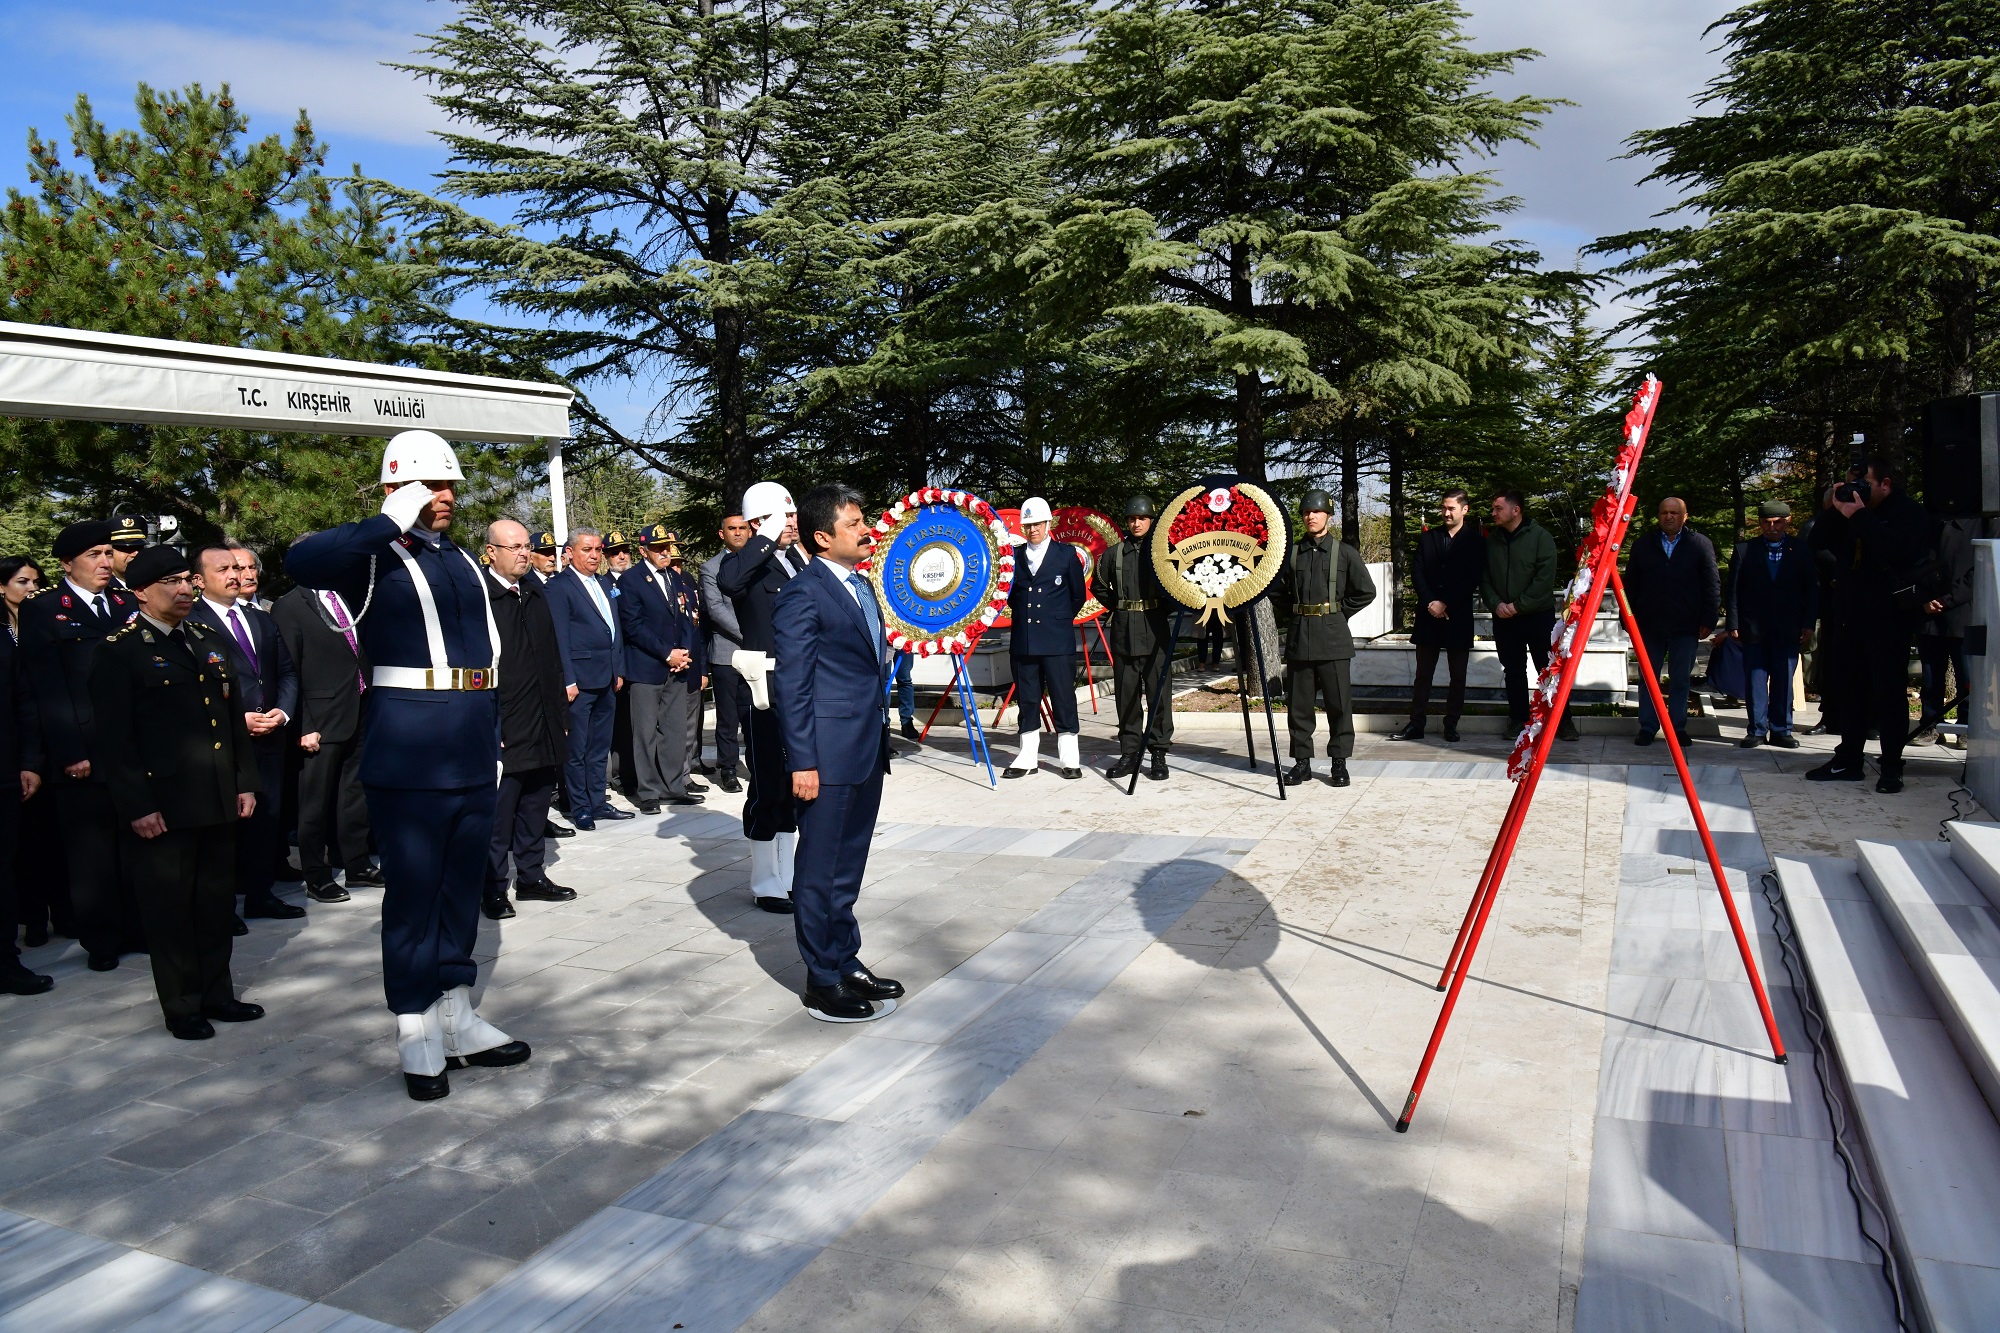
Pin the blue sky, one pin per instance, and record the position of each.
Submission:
(1628, 64)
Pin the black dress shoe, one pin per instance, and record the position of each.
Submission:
(1750, 742)
(1339, 778)
(1645, 738)
(235, 1011)
(1832, 771)
(910, 731)
(1889, 783)
(1566, 730)
(239, 928)
(1124, 768)
(272, 907)
(1409, 731)
(191, 1028)
(426, 1087)
(727, 781)
(104, 962)
(18, 980)
(542, 891)
(776, 906)
(368, 877)
(1070, 773)
(551, 829)
(497, 909)
(1157, 771)
(871, 987)
(1784, 740)
(837, 1004)
(1299, 773)
(35, 936)
(497, 1057)
(649, 807)
(584, 822)
(1684, 739)
(696, 787)
(328, 892)
(685, 798)
(1451, 732)
(611, 812)
(1019, 772)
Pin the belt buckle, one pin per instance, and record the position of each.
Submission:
(472, 678)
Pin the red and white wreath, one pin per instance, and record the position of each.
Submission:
(906, 638)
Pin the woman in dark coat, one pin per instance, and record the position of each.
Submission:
(1449, 562)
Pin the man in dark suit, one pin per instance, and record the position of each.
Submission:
(687, 593)
(182, 773)
(1773, 605)
(1048, 591)
(61, 632)
(533, 709)
(751, 577)
(1326, 581)
(659, 653)
(583, 603)
(1137, 607)
(543, 564)
(830, 696)
(725, 636)
(319, 632)
(1450, 559)
(1676, 594)
(20, 753)
(268, 697)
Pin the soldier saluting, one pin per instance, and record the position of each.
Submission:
(1130, 590)
(1327, 581)
(177, 760)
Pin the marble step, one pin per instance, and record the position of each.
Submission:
(1931, 1140)
(1950, 935)
(1975, 847)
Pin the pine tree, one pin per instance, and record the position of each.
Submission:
(185, 228)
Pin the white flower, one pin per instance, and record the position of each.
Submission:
(1214, 574)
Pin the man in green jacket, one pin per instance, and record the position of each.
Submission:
(1520, 591)
(1326, 581)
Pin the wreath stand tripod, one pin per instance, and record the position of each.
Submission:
(968, 707)
(1613, 515)
(1247, 642)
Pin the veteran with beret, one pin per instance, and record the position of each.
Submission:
(176, 758)
(1130, 590)
(1772, 606)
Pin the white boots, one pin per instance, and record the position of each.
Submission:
(771, 872)
(449, 1035)
(1069, 759)
(1029, 760)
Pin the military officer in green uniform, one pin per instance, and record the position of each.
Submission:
(1326, 581)
(1132, 597)
(177, 758)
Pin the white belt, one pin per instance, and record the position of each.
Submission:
(427, 678)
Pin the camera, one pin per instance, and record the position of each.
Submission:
(1852, 492)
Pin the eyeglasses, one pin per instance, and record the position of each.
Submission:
(515, 546)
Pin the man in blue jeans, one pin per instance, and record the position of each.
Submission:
(1773, 605)
(1676, 593)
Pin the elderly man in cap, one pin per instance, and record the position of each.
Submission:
(1327, 581)
(662, 672)
(751, 577)
(178, 763)
(1130, 590)
(1773, 606)
(430, 751)
(60, 633)
(542, 562)
(1048, 592)
(128, 538)
(617, 553)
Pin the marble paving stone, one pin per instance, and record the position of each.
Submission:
(577, 1277)
(1790, 1198)
(1015, 956)
(36, 1257)
(849, 1078)
(1789, 1292)
(948, 1004)
(129, 1287)
(724, 1169)
(1634, 1282)
(714, 1282)
(223, 1305)
(1089, 964)
(825, 1189)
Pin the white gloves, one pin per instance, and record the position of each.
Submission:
(771, 526)
(405, 502)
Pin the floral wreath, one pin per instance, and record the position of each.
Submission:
(1213, 547)
(1071, 522)
(905, 637)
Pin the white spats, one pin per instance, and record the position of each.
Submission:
(766, 878)
(1067, 754)
(1031, 751)
(465, 1032)
(788, 850)
(420, 1042)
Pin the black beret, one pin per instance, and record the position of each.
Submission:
(77, 538)
(153, 564)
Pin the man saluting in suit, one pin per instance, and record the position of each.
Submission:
(830, 694)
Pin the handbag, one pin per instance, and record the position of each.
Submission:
(1726, 675)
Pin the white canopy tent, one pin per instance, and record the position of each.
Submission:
(81, 376)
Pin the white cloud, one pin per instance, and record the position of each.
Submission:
(341, 80)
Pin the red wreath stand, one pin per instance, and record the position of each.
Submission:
(1597, 559)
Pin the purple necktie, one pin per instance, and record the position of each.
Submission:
(243, 638)
(347, 631)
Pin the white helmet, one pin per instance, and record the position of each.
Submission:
(1035, 509)
(765, 499)
(419, 455)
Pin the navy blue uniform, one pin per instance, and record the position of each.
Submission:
(429, 757)
(655, 626)
(751, 579)
(830, 697)
(593, 654)
(1042, 647)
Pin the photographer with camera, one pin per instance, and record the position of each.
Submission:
(1877, 604)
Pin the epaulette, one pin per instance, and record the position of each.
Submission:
(120, 632)
(46, 587)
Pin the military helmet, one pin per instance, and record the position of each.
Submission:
(1316, 499)
(1139, 506)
